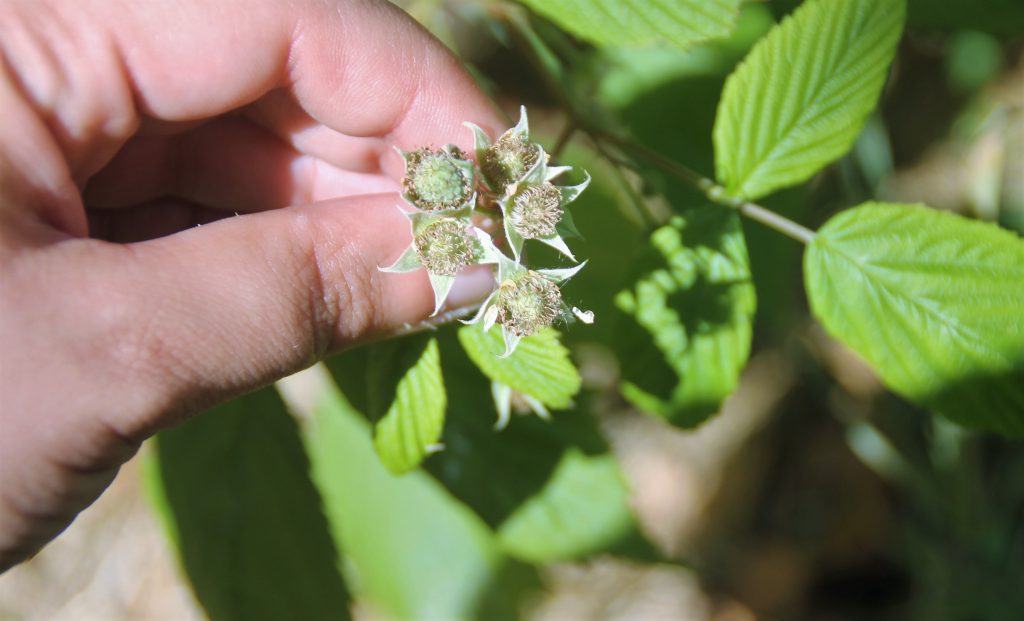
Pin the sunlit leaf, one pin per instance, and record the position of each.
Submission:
(583, 509)
(412, 550)
(539, 367)
(551, 489)
(799, 99)
(629, 73)
(635, 23)
(233, 488)
(933, 301)
(411, 426)
(686, 332)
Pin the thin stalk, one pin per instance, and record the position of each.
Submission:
(550, 68)
(712, 190)
(544, 61)
(773, 220)
(670, 166)
(435, 322)
(639, 204)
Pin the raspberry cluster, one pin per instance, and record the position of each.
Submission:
(511, 182)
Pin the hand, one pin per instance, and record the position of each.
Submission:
(125, 126)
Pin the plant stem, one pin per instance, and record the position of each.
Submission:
(774, 221)
(550, 68)
(712, 190)
(670, 166)
(644, 211)
(435, 322)
(544, 61)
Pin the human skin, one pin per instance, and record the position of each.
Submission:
(125, 125)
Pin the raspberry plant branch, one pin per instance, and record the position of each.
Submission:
(538, 54)
(618, 168)
(550, 68)
(437, 321)
(716, 193)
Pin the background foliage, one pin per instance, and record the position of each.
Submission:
(388, 485)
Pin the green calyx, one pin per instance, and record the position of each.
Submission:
(444, 247)
(527, 302)
(536, 211)
(508, 160)
(438, 180)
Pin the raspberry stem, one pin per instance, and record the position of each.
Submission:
(712, 190)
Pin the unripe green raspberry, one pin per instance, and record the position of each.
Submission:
(507, 160)
(445, 247)
(536, 211)
(437, 179)
(528, 302)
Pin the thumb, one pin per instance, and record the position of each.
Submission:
(223, 308)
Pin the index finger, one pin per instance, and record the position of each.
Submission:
(358, 67)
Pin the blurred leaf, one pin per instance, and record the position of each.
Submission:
(872, 153)
(584, 509)
(635, 23)
(414, 417)
(803, 93)
(414, 551)
(688, 318)
(933, 302)
(551, 489)
(1004, 18)
(233, 488)
(623, 74)
(974, 59)
(539, 367)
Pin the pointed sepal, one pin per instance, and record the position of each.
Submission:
(442, 286)
(515, 240)
(556, 242)
(511, 341)
(408, 262)
(538, 408)
(554, 171)
(502, 395)
(566, 227)
(562, 274)
(571, 192)
(489, 253)
(480, 138)
(523, 126)
(482, 311)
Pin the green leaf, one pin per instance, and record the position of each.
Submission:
(584, 509)
(412, 551)
(539, 367)
(409, 372)
(552, 489)
(636, 23)
(933, 301)
(624, 75)
(803, 93)
(497, 473)
(687, 318)
(233, 489)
